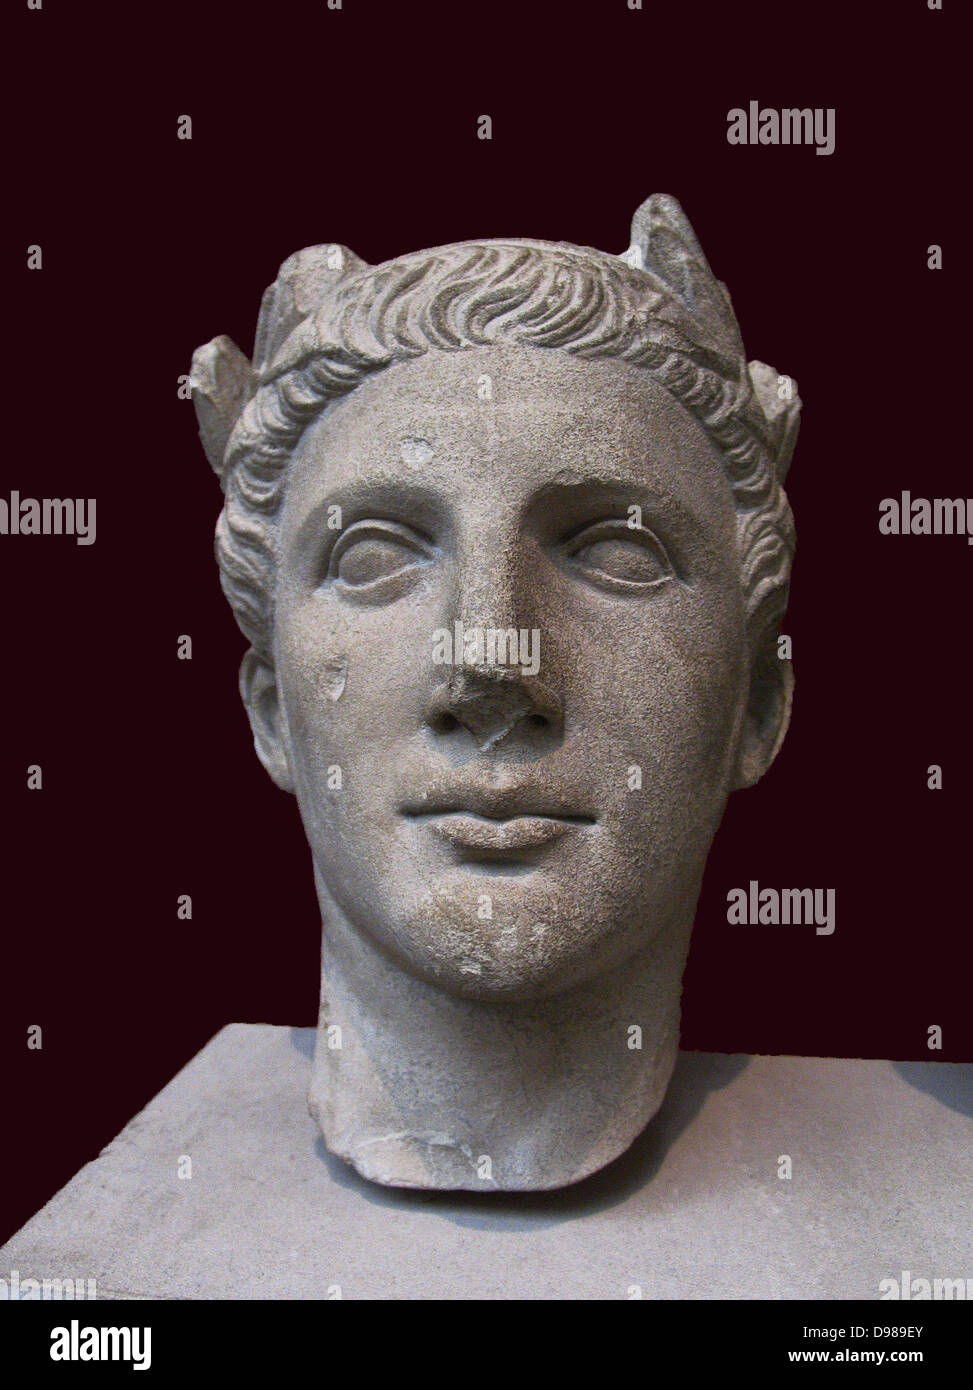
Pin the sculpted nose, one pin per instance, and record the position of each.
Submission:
(491, 693)
(494, 705)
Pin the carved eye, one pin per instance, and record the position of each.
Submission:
(617, 556)
(376, 560)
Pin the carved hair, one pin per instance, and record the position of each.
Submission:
(665, 313)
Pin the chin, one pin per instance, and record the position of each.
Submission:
(514, 980)
(528, 950)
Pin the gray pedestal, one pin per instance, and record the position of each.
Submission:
(881, 1182)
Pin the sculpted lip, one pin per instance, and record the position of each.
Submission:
(472, 826)
(496, 803)
(469, 831)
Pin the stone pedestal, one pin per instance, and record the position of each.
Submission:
(880, 1161)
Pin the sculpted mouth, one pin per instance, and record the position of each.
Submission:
(469, 831)
(495, 830)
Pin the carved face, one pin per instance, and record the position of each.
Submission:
(504, 833)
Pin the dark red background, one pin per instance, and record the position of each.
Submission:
(359, 126)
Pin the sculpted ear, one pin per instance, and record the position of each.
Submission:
(768, 710)
(258, 688)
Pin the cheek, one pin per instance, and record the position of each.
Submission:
(663, 687)
(352, 679)
(315, 663)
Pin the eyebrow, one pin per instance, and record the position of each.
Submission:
(621, 494)
(359, 498)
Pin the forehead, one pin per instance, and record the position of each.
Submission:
(508, 423)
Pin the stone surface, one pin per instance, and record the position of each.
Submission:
(881, 1183)
(505, 528)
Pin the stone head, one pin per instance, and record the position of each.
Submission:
(505, 528)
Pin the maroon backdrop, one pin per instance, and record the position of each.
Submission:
(359, 126)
